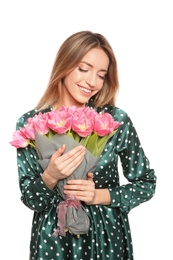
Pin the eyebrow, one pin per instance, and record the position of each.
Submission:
(91, 65)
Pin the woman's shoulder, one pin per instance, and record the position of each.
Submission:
(22, 120)
(117, 113)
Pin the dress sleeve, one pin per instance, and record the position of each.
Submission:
(136, 168)
(34, 192)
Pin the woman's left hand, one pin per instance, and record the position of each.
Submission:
(83, 190)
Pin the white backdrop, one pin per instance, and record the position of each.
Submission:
(140, 33)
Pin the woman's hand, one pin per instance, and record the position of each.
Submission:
(61, 164)
(83, 190)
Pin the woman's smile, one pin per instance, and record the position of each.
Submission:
(85, 91)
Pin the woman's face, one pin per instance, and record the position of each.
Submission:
(86, 79)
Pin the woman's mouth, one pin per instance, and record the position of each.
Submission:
(85, 90)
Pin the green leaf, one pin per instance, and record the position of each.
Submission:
(84, 140)
(103, 140)
(92, 144)
(50, 134)
(32, 143)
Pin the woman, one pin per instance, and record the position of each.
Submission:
(85, 74)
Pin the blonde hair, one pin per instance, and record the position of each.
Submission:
(69, 56)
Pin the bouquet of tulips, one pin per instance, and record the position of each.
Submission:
(46, 132)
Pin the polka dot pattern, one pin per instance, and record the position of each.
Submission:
(109, 236)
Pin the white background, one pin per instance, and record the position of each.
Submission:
(140, 33)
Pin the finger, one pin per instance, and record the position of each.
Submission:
(73, 157)
(90, 176)
(67, 164)
(80, 185)
(65, 158)
(75, 152)
(71, 164)
(85, 196)
(60, 151)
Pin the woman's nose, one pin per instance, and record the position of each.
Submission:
(91, 80)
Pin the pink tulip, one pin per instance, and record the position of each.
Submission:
(19, 141)
(28, 131)
(69, 110)
(40, 124)
(60, 122)
(81, 123)
(105, 124)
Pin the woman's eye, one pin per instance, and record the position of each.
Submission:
(102, 77)
(83, 70)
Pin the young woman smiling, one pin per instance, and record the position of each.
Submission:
(85, 74)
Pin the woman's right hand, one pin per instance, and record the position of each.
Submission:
(61, 164)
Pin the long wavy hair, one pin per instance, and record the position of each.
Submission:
(68, 58)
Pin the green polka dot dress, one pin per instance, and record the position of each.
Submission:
(109, 235)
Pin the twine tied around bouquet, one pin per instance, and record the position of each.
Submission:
(61, 211)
